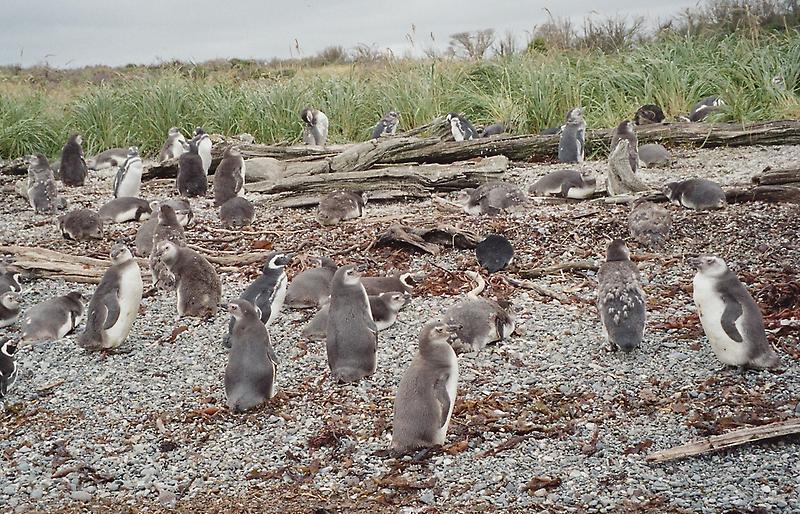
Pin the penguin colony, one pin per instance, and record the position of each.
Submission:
(353, 309)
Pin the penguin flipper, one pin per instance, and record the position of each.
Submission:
(440, 393)
(733, 311)
(111, 303)
(118, 180)
(263, 302)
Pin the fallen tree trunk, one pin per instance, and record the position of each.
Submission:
(778, 177)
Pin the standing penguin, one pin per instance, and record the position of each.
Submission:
(237, 212)
(203, 142)
(384, 308)
(73, 166)
(114, 304)
(41, 189)
(167, 228)
(229, 176)
(387, 126)
(573, 136)
(566, 183)
(338, 206)
(8, 367)
(625, 130)
(427, 392)
(480, 321)
(620, 298)
(649, 224)
(460, 127)
(352, 338)
(144, 236)
(312, 287)
(730, 317)
(198, 285)
(53, 319)
(250, 376)
(9, 308)
(81, 224)
(492, 198)
(315, 131)
(191, 180)
(696, 193)
(174, 147)
(128, 180)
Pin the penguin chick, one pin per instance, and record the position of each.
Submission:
(654, 155)
(460, 127)
(730, 317)
(427, 392)
(481, 321)
(399, 283)
(41, 188)
(491, 198)
(125, 208)
(649, 224)
(250, 376)
(571, 144)
(196, 280)
(73, 166)
(316, 126)
(237, 212)
(80, 225)
(174, 146)
(53, 319)
(8, 367)
(649, 114)
(494, 253)
(494, 129)
(111, 158)
(620, 298)
(128, 181)
(167, 228)
(566, 183)
(144, 236)
(203, 142)
(625, 130)
(338, 206)
(696, 193)
(352, 336)
(9, 308)
(114, 304)
(191, 180)
(384, 308)
(312, 287)
(229, 176)
(704, 107)
(387, 126)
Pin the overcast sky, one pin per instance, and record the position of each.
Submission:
(75, 33)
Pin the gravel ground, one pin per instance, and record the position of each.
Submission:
(549, 420)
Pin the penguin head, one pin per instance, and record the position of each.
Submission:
(9, 348)
(120, 253)
(575, 115)
(10, 300)
(625, 127)
(173, 130)
(76, 138)
(167, 250)
(133, 151)
(276, 260)
(199, 131)
(39, 161)
(232, 151)
(465, 196)
(241, 309)
(350, 275)
(166, 215)
(671, 191)
(589, 178)
(437, 331)
(393, 114)
(618, 251)
(710, 265)
(394, 300)
(307, 115)
(75, 296)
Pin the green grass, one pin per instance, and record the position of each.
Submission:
(528, 91)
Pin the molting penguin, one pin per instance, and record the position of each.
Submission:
(387, 126)
(192, 179)
(174, 147)
(338, 206)
(427, 392)
(73, 167)
(8, 367)
(620, 298)
(399, 283)
(114, 304)
(352, 336)
(237, 212)
(494, 129)
(460, 127)
(571, 145)
(125, 208)
(384, 308)
(41, 189)
(649, 114)
(128, 180)
(649, 224)
(144, 236)
(730, 317)
(704, 107)
(696, 193)
(54, 318)
(654, 155)
(229, 176)
(481, 321)
(494, 253)
(566, 183)
(315, 131)
(625, 130)
(491, 198)
(167, 228)
(111, 158)
(196, 280)
(203, 142)
(9, 308)
(250, 376)
(312, 287)
(81, 224)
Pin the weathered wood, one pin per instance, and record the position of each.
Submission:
(778, 177)
(556, 268)
(621, 178)
(428, 239)
(769, 194)
(729, 440)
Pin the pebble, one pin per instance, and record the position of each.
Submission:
(81, 496)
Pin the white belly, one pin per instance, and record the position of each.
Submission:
(580, 192)
(241, 191)
(130, 186)
(452, 387)
(130, 297)
(277, 302)
(710, 308)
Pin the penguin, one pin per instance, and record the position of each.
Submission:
(125, 208)
(9, 308)
(9, 280)
(625, 130)
(730, 317)
(494, 253)
(229, 176)
(649, 224)
(551, 131)
(196, 280)
(649, 114)
(426, 395)
(183, 210)
(73, 166)
(460, 127)
(338, 206)
(481, 321)
(312, 287)
(111, 158)
(174, 147)
(167, 228)
(566, 183)
(54, 318)
(384, 308)
(387, 126)
(704, 107)
(491, 198)
(128, 180)
(620, 298)
(494, 129)
(192, 179)
(571, 144)
(8, 367)
(316, 126)
(114, 304)
(237, 212)
(654, 155)
(352, 336)
(203, 142)
(80, 225)
(41, 189)
(399, 283)
(696, 193)
(144, 236)
(250, 376)
(268, 291)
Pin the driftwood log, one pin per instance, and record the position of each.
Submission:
(428, 239)
(770, 177)
(621, 178)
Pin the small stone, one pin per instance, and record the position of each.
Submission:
(427, 497)
(81, 496)
(36, 494)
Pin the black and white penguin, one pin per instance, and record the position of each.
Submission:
(174, 147)
(730, 317)
(8, 367)
(397, 283)
(480, 321)
(229, 176)
(196, 281)
(654, 155)
(426, 395)
(492, 198)
(237, 212)
(125, 208)
(312, 287)
(338, 206)
(203, 142)
(494, 253)
(41, 189)
(53, 319)
(315, 130)
(387, 126)
(704, 107)
(128, 181)
(9, 280)
(460, 127)
(192, 180)
(384, 308)
(73, 167)
(626, 130)
(572, 143)
(111, 158)
(566, 183)
(649, 224)
(696, 193)
(649, 114)
(9, 308)
(620, 298)
(81, 224)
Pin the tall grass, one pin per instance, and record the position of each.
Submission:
(529, 91)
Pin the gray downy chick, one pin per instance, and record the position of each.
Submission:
(312, 287)
(566, 183)
(492, 198)
(620, 298)
(238, 212)
(41, 190)
(649, 224)
(197, 283)
(572, 143)
(80, 225)
(696, 193)
(192, 180)
(654, 155)
(626, 130)
(338, 206)
(229, 176)
(73, 166)
(167, 228)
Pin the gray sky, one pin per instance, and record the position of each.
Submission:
(75, 33)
